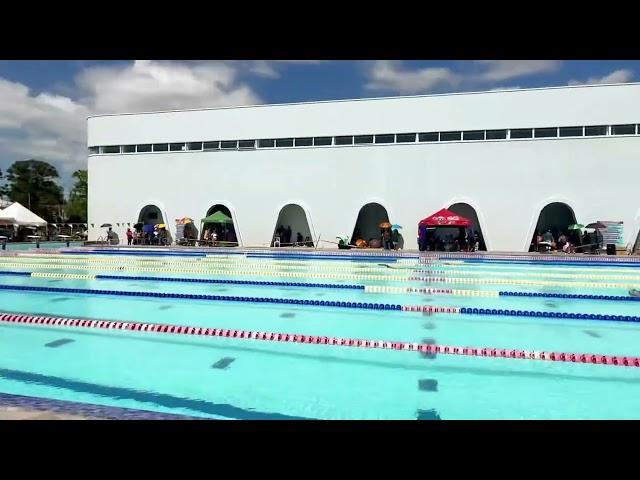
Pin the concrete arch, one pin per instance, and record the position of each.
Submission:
(560, 213)
(477, 217)
(228, 209)
(370, 215)
(294, 215)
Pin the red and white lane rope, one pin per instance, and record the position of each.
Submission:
(619, 361)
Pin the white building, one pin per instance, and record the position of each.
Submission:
(505, 155)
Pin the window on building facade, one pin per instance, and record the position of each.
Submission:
(176, 147)
(304, 142)
(571, 131)
(595, 131)
(450, 136)
(428, 137)
(247, 144)
(111, 149)
(128, 149)
(545, 132)
(284, 142)
(94, 150)
(473, 135)
(496, 134)
(194, 146)
(361, 139)
(228, 144)
(386, 138)
(623, 130)
(144, 148)
(160, 147)
(322, 141)
(521, 133)
(344, 140)
(211, 145)
(266, 143)
(405, 138)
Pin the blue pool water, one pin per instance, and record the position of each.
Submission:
(225, 378)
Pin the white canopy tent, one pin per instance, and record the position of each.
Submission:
(16, 214)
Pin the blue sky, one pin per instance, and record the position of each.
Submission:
(44, 104)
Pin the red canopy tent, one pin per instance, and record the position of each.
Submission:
(445, 218)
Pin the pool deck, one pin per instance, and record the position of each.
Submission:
(19, 413)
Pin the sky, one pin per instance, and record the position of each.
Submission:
(44, 104)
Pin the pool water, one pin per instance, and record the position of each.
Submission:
(227, 378)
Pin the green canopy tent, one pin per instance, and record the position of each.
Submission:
(218, 218)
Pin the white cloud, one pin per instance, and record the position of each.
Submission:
(151, 85)
(391, 76)
(500, 70)
(52, 127)
(618, 76)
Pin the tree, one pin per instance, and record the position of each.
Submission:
(33, 183)
(77, 206)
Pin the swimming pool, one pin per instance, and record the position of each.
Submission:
(237, 363)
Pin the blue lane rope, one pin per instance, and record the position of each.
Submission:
(565, 263)
(224, 298)
(570, 295)
(617, 298)
(563, 316)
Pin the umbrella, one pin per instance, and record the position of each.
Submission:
(186, 220)
(576, 226)
(161, 225)
(105, 225)
(395, 226)
(385, 225)
(596, 225)
(138, 226)
(361, 243)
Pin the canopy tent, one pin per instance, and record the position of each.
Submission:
(19, 215)
(445, 218)
(217, 217)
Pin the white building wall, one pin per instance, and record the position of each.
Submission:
(507, 182)
(548, 107)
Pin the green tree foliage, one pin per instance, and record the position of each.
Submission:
(33, 183)
(77, 206)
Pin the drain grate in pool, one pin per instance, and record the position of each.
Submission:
(593, 334)
(431, 414)
(428, 385)
(59, 342)
(287, 315)
(429, 326)
(60, 299)
(223, 363)
(165, 307)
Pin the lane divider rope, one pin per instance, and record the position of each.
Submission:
(224, 298)
(189, 280)
(618, 361)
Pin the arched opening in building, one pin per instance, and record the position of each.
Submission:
(146, 234)
(368, 224)
(292, 228)
(467, 211)
(553, 222)
(150, 215)
(224, 229)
